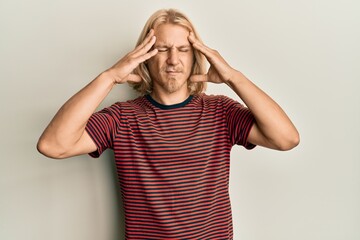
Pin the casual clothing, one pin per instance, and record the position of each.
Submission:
(173, 163)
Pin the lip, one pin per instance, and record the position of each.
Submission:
(172, 72)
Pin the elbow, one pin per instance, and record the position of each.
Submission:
(46, 148)
(289, 142)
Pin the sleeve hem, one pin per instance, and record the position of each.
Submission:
(247, 144)
(97, 152)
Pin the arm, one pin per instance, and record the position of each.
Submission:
(65, 136)
(273, 128)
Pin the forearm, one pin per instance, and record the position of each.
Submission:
(66, 136)
(68, 125)
(275, 127)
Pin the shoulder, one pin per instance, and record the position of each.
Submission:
(137, 103)
(221, 100)
(122, 109)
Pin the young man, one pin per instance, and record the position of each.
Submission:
(172, 144)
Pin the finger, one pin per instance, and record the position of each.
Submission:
(199, 46)
(199, 78)
(146, 56)
(192, 37)
(145, 48)
(211, 55)
(146, 40)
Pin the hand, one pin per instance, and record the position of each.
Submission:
(219, 72)
(121, 72)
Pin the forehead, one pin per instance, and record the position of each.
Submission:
(171, 34)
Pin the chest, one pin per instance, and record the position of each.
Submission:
(172, 143)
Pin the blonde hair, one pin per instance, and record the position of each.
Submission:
(172, 16)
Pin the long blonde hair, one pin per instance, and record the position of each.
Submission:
(172, 16)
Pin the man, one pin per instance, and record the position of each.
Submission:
(172, 144)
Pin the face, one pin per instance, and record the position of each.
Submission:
(171, 67)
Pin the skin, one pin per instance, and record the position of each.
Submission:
(65, 136)
(170, 68)
(273, 128)
(168, 51)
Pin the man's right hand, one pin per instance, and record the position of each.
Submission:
(121, 72)
(65, 136)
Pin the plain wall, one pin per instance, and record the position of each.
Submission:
(305, 54)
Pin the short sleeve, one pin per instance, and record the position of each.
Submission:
(102, 127)
(239, 120)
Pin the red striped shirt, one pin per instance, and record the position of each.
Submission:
(173, 163)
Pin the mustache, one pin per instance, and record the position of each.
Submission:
(171, 69)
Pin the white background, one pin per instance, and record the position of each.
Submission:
(305, 54)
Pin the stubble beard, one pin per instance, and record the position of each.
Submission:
(172, 84)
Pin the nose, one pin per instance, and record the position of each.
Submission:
(173, 57)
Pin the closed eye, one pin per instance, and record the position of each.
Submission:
(166, 49)
(162, 49)
(184, 49)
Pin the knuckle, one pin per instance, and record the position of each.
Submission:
(130, 61)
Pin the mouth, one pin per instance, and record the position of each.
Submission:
(172, 72)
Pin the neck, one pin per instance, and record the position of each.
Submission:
(170, 98)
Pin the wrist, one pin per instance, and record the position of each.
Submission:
(236, 77)
(108, 78)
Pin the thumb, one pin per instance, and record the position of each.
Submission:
(199, 78)
(134, 78)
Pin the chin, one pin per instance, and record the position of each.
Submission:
(172, 88)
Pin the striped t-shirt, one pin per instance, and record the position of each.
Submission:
(172, 163)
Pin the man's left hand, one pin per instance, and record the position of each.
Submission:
(219, 72)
